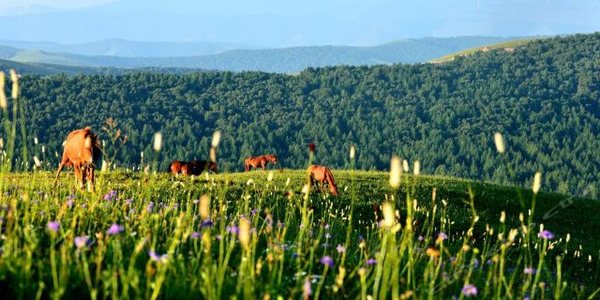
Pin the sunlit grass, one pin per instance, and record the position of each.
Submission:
(242, 234)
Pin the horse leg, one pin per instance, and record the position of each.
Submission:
(78, 176)
(90, 178)
(60, 167)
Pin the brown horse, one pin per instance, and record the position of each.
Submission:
(259, 161)
(81, 149)
(175, 166)
(196, 167)
(322, 176)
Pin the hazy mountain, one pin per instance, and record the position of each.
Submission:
(284, 60)
(126, 48)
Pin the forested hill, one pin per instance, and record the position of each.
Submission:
(544, 97)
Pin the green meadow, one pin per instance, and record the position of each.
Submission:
(261, 234)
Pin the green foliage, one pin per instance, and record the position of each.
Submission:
(544, 98)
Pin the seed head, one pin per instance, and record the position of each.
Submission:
(157, 141)
(395, 172)
(244, 230)
(388, 215)
(213, 154)
(15, 86)
(417, 167)
(204, 207)
(37, 162)
(537, 182)
(499, 141)
(352, 152)
(3, 102)
(216, 138)
(270, 176)
(405, 165)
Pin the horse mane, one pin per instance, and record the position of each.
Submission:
(330, 181)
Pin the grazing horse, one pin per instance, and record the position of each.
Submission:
(322, 176)
(81, 149)
(175, 166)
(259, 161)
(194, 167)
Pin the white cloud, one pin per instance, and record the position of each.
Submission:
(23, 7)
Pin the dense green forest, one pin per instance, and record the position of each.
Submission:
(544, 97)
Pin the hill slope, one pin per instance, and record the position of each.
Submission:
(285, 60)
(543, 97)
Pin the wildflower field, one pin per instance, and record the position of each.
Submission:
(264, 235)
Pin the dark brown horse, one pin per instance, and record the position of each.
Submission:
(259, 161)
(321, 176)
(194, 167)
(81, 149)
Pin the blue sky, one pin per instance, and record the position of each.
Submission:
(281, 23)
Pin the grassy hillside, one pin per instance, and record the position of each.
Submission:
(62, 242)
(508, 46)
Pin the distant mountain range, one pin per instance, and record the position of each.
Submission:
(126, 48)
(210, 56)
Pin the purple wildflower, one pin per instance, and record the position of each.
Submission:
(81, 241)
(546, 234)
(110, 195)
(129, 201)
(115, 229)
(529, 271)
(442, 236)
(195, 235)
(71, 197)
(469, 290)
(70, 203)
(254, 211)
(54, 226)
(218, 237)
(156, 257)
(327, 260)
(421, 238)
(327, 226)
(206, 223)
(340, 248)
(371, 261)
(150, 207)
(233, 229)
